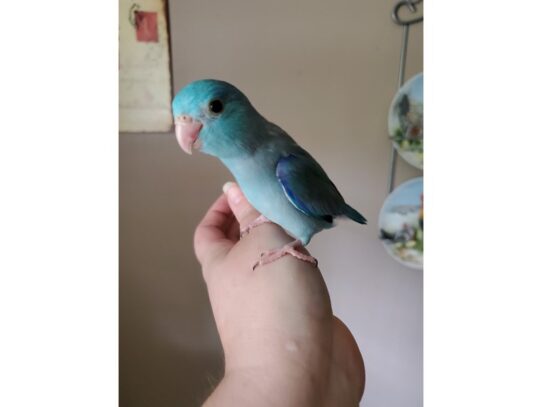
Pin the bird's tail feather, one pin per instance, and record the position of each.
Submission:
(354, 215)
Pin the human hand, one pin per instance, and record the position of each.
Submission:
(282, 345)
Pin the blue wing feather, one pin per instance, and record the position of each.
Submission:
(310, 190)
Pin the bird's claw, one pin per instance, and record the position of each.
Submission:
(272, 255)
(260, 220)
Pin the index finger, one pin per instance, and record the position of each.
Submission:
(241, 208)
(210, 240)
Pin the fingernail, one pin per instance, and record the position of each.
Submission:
(227, 186)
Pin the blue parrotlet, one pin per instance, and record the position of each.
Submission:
(278, 177)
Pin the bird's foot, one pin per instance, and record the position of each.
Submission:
(272, 255)
(260, 220)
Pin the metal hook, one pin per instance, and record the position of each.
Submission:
(411, 4)
(132, 13)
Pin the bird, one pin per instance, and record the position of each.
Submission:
(279, 178)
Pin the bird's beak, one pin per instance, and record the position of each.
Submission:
(187, 132)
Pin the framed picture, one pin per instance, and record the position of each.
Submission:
(144, 67)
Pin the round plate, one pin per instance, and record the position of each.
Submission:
(401, 223)
(405, 121)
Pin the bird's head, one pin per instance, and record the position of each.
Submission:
(216, 118)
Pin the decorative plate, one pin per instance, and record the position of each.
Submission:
(405, 121)
(401, 223)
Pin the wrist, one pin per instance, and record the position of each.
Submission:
(281, 384)
(297, 364)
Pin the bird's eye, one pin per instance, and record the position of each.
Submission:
(216, 106)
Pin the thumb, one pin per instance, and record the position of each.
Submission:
(241, 208)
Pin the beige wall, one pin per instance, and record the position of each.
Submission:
(325, 72)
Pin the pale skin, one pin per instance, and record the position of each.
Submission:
(282, 344)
